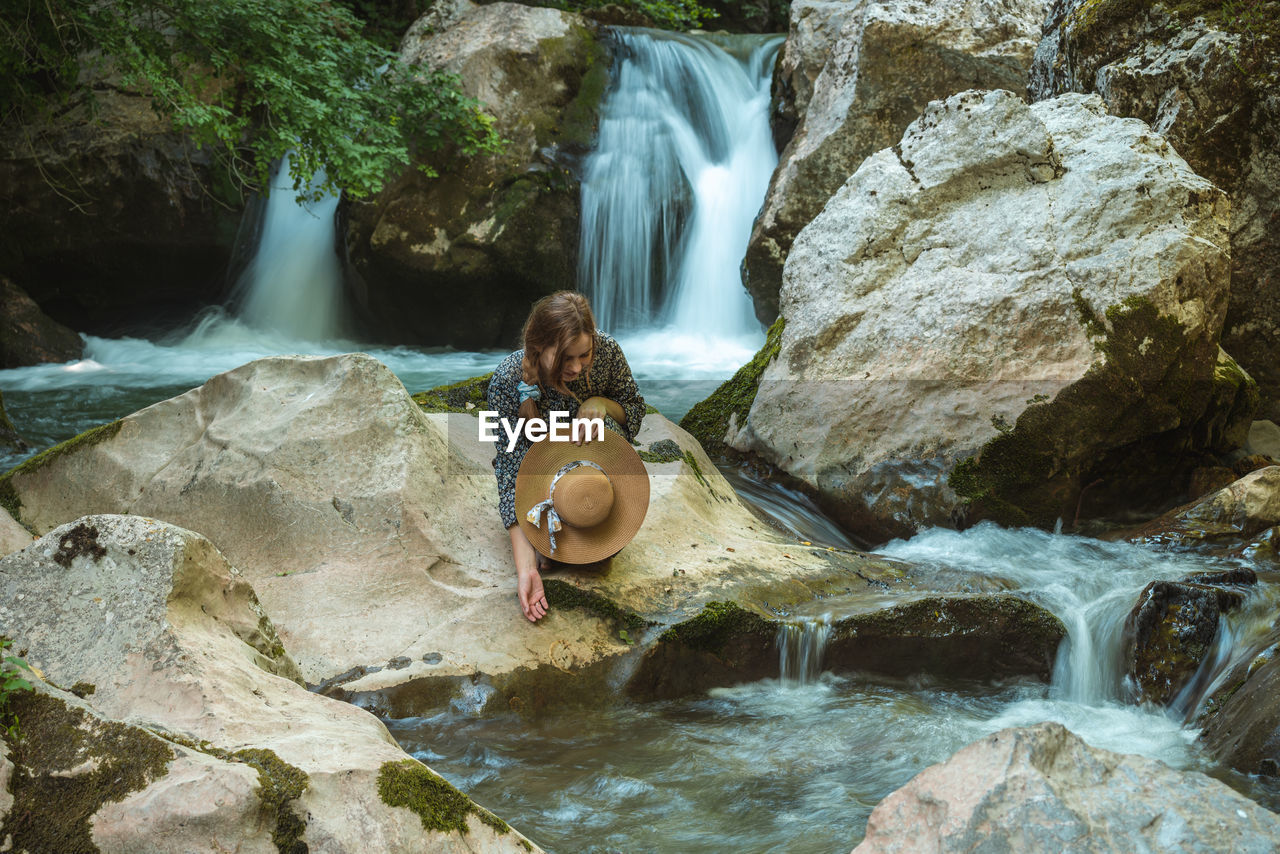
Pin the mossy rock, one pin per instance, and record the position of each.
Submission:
(708, 420)
(1124, 437)
(68, 764)
(9, 499)
(439, 806)
(950, 637)
(455, 396)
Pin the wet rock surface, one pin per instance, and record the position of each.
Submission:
(1044, 386)
(980, 637)
(1203, 75)
(458, 258)
(185, 721)
(850, 78)
(27, 335)
(1228, 517)
(1241, 720)
(1171, 631)
(1041, 788)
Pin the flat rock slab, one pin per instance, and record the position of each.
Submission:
(369, 531)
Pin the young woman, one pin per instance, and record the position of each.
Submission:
(566, 365)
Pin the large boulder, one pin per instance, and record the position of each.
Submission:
(1204, 77)
(194, 730)
(850, 78)
(370, 532)
(28, 336)
(456, 259)
(1013, 314)
(1041, 788)
(108, 215)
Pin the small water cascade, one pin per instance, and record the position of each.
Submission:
(800, 649)
(682, 162)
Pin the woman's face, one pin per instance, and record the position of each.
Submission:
(577, 358)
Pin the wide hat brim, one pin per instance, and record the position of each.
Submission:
(627, 475)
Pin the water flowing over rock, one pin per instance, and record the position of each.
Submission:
(28, 336)
(370, 532)
(151, 627)
(851, 77)
(1169, 634)
(1041, 788)
(457, 259)
(1013, 314)
(1208, 85)
(109, 215)
(1241, 720)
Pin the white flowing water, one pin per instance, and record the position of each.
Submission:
(681, 166)
(796, 764)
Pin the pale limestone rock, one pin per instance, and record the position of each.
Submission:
(201, 804)
(854, 75)
(156, 621)
(13, 537)
(370, 532)
(1042, 789)
(943, 293)
(1243, 509)
(1206, 82)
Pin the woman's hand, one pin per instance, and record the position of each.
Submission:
(599, 407)
(533, 600)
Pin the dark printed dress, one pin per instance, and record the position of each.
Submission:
(609, 376)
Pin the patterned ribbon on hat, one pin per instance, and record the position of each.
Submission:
(553, 519)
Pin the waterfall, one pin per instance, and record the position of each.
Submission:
(800, 649)
(682, 162)
(292, 286)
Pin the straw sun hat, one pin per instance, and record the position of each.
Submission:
(589, 500)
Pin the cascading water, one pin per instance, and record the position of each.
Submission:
(800, 649)
(291, 288)
(680, 169)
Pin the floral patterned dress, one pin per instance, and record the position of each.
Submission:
(609, 376)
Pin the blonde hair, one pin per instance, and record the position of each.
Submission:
(555, 321)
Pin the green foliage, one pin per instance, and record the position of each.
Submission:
(250, 79)
(11, 683)
(667, 14)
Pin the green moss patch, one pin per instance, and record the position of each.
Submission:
(562, 594)
(708, 420)
(68, 765)
(439, 805)
(455, 397)
(1121, 434)
(717, 624)
(9, 499)
(280, 784)
(662, 451)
